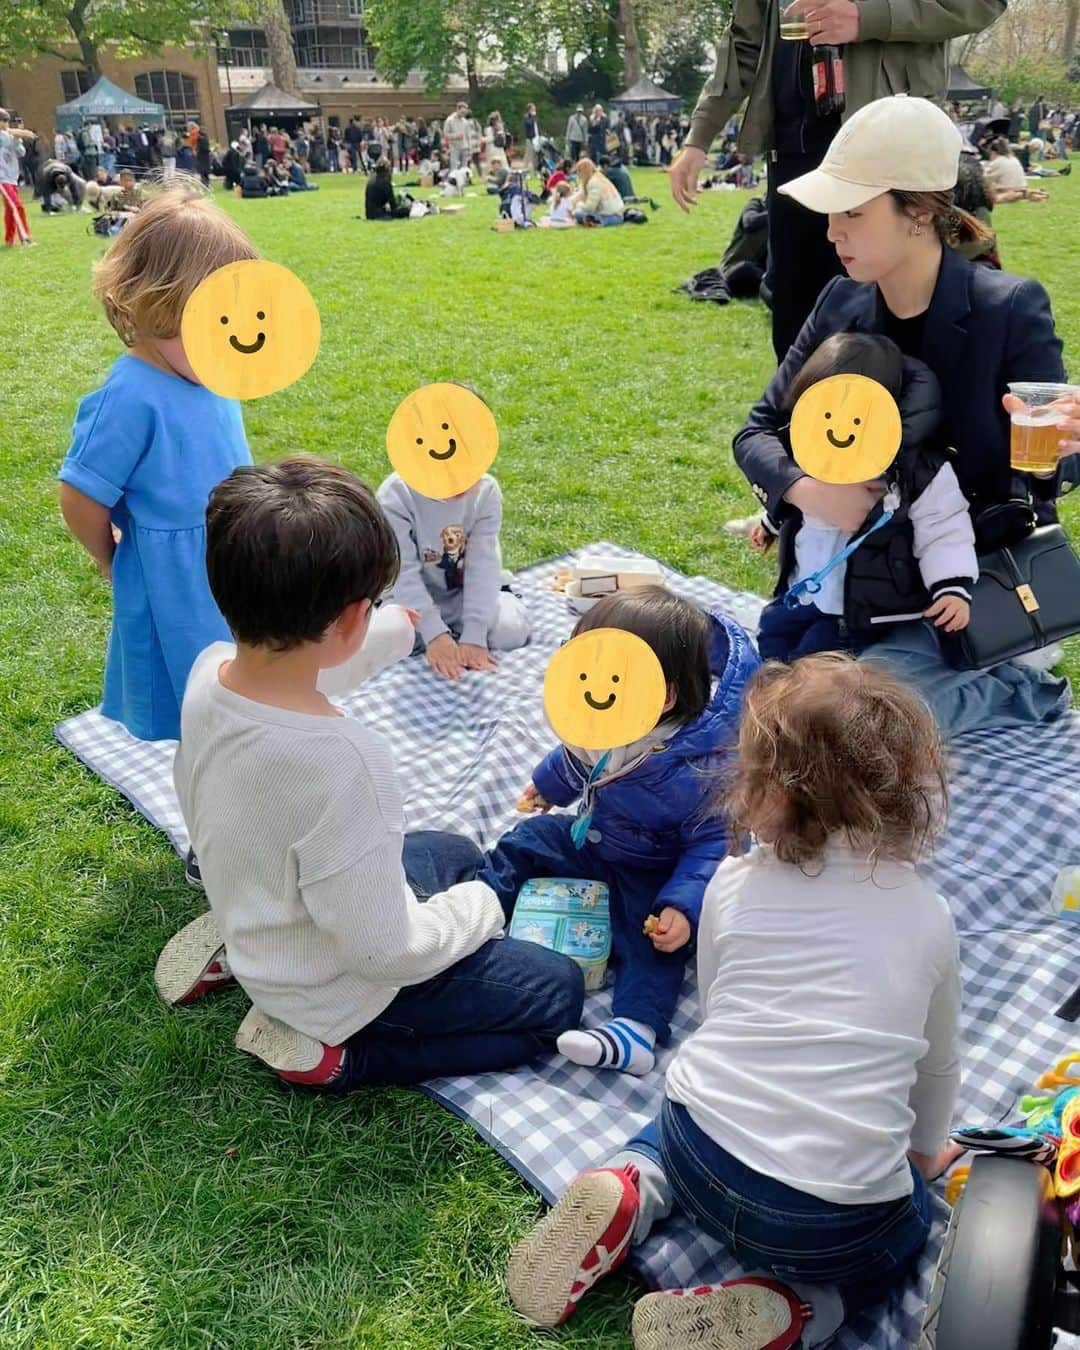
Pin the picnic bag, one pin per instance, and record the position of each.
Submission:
(568, 916)
(1027, 596)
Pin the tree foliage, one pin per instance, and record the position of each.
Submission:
(603, 40)
(30, 28)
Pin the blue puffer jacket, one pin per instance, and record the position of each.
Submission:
(657, 816)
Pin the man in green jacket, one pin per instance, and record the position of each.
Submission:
(889, 46)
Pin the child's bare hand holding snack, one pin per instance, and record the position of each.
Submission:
(669, 930)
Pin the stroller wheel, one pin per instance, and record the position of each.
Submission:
(995, 1282)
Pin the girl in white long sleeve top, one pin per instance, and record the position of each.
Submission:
(803, 1115)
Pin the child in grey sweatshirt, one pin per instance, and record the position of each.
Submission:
(451, 572)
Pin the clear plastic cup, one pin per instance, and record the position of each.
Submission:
(1034, 442)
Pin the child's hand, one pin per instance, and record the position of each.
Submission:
(476, 658)
(531, 800)
(672, 932)
(444, 657)
(931, 1166)
(413, 615)
(950, 612)
(760, 538)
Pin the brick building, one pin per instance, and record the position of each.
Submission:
(336, 66)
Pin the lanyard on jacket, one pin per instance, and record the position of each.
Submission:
(580, 828)
(811, 585)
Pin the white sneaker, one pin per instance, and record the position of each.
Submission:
(1043, 658)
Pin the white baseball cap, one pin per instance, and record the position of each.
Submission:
(902, 143)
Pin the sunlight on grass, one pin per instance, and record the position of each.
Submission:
(158, 1188)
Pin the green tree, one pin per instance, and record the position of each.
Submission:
(30, 28)
(444, 38)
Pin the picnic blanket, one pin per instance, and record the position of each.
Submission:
(465, 750)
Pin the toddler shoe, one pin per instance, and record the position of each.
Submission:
(192, 963)
(294, 1057)
(584, 1237)
(748, 1314)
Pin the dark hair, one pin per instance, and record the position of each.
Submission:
(290, 545)
(678, 632)
(1000, 146)
(954, 226)
(869, 354)
(383, 168)
(970, 194)
(833, 748)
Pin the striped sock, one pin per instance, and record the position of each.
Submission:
(620, 1044)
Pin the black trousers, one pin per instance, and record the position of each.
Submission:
(801, 259)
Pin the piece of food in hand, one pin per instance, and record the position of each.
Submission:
(526, 803)
(651, 925)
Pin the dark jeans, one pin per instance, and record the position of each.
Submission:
(863, 1249)
(647, 982)
(801, 259)
(493, 1010)
(786, 634)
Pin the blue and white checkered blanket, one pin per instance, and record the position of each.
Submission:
(465, 750)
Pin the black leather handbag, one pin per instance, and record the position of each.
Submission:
(1027, 596)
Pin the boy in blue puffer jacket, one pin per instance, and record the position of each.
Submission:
(654, 837)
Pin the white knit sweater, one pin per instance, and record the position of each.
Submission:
(297, 822)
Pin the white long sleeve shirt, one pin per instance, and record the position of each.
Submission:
(828, 1043)
(451, 558)
(297, 822)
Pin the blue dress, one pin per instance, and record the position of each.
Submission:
(151, 446)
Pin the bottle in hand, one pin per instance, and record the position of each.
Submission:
(828, 72)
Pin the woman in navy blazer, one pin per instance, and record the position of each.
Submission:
(886, 186)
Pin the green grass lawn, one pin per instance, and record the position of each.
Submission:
(159, 1189)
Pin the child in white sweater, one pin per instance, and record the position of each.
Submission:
(295, 812)
(452, 574)
(805, 1114)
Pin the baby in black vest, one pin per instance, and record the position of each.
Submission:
(918, 563)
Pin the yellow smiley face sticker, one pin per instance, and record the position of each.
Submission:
(442, 439)
(250, 329)
(845, 429)
(605, 688)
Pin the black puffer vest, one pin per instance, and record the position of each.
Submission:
(882, 583)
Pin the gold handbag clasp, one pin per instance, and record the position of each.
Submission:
(1027, 598)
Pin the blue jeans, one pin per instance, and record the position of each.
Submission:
(595, 218)
(786, 634)
(969, 700)
(495, 1009)
(766, 1225)
(647, 982)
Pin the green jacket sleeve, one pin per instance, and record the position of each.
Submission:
(737, 55)
(925, 20)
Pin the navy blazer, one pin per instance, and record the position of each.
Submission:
(984, 329)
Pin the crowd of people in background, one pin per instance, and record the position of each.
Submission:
(583, 166)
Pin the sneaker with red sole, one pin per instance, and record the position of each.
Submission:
(192, 963)
(585, 1237)
(748, 1314)
(293, 1056)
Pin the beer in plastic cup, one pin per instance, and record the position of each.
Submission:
(1035, 436)
(794, 30)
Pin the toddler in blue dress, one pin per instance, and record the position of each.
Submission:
(147, 449)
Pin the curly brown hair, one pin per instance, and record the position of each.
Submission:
(834, 748)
